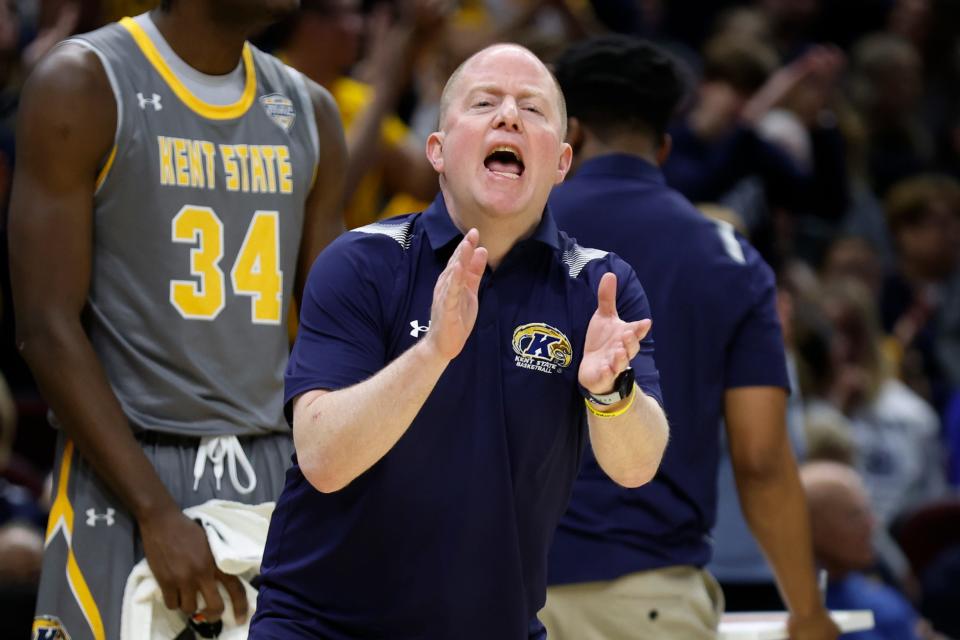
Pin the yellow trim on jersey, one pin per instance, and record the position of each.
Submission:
(205, 109)
(61, 518)
(106, 168)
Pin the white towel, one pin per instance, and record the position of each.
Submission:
(237, 534)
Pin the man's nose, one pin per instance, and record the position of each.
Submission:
(508, 115)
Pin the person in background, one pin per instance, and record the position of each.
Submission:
(842, 523)
(323, 41)
(629, 562)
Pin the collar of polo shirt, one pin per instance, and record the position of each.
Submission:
(441, 231)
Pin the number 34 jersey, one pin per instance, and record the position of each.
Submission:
(198, 216)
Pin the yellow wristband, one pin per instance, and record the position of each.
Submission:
(613, 414)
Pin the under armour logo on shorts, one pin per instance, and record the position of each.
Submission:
(154, 100)
(106, 517)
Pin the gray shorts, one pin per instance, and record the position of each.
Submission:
(92, 542)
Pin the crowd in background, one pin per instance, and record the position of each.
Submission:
(827, 133)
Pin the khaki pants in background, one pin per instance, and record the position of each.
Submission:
(674, 603)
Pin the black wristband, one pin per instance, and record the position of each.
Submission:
(622, 387)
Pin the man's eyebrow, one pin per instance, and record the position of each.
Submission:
(525, 92)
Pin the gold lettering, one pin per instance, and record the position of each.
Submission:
(209, 151)
(180, 162)
(167, 175)
(243, 154)
(268, 156)
(258, 178)
(284, 170)
(230, 168)
(196, 164)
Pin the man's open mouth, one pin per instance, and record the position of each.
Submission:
(505, 161)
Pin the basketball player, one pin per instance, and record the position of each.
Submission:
(173, 186)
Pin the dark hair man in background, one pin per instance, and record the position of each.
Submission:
(628, 562)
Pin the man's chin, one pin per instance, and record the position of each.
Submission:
(499, 205)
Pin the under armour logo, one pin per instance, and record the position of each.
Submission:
(107, 517)
(418, 328)
(154, 100)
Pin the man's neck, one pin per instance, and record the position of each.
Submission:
(638, 145)
(207, 45)
(497, 235)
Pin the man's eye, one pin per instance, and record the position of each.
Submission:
(533, 109)
(482, 103)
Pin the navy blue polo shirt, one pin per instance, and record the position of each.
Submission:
(447, 535)
(714, 314)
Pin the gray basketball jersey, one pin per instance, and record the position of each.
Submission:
(198, 218)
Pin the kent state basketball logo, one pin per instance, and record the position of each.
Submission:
(540, 347)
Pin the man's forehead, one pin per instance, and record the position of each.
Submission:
(502, 67)
(490, 63)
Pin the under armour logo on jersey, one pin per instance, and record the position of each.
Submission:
(418, 328)
(153, 100)
(106, 517)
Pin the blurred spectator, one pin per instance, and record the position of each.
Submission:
(827, 435)
(855, 258)
(895, 431)
(921, 299)
(886, 89)
(932, 27)
(842, 525)
(792, 23)
(21, 552)
(323, 41)
(20, 485)
(714, 150)
(21, 532)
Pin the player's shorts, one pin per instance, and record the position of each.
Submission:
(92, 543)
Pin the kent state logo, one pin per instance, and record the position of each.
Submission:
(540, 347)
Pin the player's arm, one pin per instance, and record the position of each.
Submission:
(773, 501)
(65, 129)
(629, 444)
(323, 214)
(340, 434)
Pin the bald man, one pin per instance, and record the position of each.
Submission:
(842, 539)
(449, 368)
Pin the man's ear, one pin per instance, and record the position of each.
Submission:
(435, 150)
(566, 159)
(663, 151)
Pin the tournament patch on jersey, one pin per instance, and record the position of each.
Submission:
(48, 628)
(280, 109)
(540, 347)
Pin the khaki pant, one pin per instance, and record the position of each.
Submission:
(682, 603)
